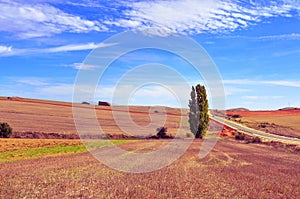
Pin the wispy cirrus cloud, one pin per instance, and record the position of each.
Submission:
(291, 36)
(32, 81)
(263, 82)
(259, 97)
(37, 20)
(10, 51)
(82, 66)
(46, 18)
(193, 16)
(74, 47)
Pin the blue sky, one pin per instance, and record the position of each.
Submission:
(255, 45)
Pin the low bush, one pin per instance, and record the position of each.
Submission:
(256, 140)
(161, 132)
(239, 136)
(5, 130)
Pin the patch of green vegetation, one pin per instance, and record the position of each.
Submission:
(39, 152)
(91, 145)
(34, 153)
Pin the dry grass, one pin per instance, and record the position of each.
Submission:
(24, 149)
(232, 170)
(32, 116)
(292, 121)
(9, 145)
(284, 122)
(27, 115)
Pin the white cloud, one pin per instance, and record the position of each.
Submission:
(193, 16)
(9, 51)
(254, 97)
(283, 83)
(292, 36)
(32, 81)
(84, 3)
(36, 20)
(81, 66)
(41, 18)
(74, 47)
(263, 82)
(5, 50)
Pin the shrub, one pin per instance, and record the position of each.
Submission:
(5, 130)
(162, 132)
(239, 136)
(256, 140)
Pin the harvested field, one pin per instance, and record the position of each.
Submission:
(22, 149)
(231, 170)
(283, 122)
(52, 168)
(41, 116)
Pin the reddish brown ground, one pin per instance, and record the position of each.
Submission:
(285, 122)
(30, 115)
(266, 113)
(231, 170)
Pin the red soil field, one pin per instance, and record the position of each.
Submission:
(281, 122)
(231, 170)
(265, 113)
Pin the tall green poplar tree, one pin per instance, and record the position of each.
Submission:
(198, 115)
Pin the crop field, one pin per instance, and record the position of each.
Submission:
(63, 168)
(285, 122)
(231, 170)
(26, 115)
(12, 150)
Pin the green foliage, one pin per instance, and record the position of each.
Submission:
(39, 152)
(198, 115)
(5, 130)
(33, 153)
(194, 112)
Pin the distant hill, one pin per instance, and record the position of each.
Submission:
(289, 108)
(237, 110)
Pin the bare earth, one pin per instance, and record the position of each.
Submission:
(283, 122)
(232, 170)
(27, 115)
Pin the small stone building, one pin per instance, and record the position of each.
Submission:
(101, 103)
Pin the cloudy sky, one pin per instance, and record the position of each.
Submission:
(254, 44)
